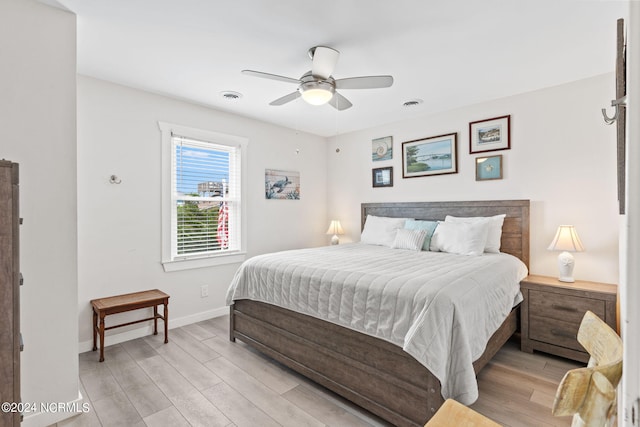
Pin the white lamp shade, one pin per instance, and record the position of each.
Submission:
(335, 228)
(566, 240)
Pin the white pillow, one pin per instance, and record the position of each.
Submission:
(409, 239)
(495, 229)
(460, 238)
(380, 230)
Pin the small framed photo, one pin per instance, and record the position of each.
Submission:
(490, 135)
(436, 155)
(382, 177)
(382, 149)
(489, 168)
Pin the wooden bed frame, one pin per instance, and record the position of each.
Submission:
(368, 371)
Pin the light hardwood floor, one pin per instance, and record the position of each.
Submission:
(201, 379)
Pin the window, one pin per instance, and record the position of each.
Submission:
(202, 198)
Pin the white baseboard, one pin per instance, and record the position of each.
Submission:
(48, 413)
(85, 346)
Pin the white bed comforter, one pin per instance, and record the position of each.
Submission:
(440, 308)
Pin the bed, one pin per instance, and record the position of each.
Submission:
(375, 373)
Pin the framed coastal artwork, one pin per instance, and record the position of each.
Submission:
(382, 149)
(488, 168)
(435, 155)
(281, 185)
(490, 135)
(382, 177)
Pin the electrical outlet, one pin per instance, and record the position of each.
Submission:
(204, 291)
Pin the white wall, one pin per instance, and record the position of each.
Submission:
(119, 226)
(38, 122)
(630, 234)
(562, 158)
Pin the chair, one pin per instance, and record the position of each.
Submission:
(589, 394)
(452, 413)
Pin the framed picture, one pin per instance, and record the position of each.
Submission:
(382, 149)
(281, 184)
(490, 135)
(382, 177)
(489, 168)
(430, 156)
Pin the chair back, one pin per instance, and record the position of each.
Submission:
(590, 393)
(603, 345)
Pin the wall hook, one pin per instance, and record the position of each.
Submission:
(615, 103)
(113, 179)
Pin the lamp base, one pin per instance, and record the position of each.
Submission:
(335, 240)
(566, 262)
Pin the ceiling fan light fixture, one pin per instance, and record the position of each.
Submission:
(317, 93)
(318, 87)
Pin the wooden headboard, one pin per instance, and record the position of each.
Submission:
(515, 231)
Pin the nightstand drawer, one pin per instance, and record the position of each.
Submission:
(566, 308)
(556, 332)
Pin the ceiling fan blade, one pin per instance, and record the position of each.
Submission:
(324, 61)
(287, 98)
(339, 102)
(367, 82)
(270, 76)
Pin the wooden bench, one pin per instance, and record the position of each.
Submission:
(103, 307)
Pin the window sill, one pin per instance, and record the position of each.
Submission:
(211, 261)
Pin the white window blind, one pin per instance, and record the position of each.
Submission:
(205, 198)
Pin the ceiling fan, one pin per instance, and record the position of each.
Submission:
(318, 86)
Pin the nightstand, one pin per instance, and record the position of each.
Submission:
(552, 311)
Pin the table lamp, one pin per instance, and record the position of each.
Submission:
(567, 241)
(335, 228)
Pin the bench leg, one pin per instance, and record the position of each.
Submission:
(166, 321)
(101, 337)
(155, 320)
(94, 326)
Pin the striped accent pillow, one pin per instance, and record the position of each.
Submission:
(428, 226)
(409, 239)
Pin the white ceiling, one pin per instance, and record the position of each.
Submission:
(449, 53)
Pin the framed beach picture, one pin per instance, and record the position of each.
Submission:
(382, 149)
(489, 168)
(382, 177)
(281, 185)
(436, 155)
(490, 135)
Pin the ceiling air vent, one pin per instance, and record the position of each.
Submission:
(412, 103)
(230, 95)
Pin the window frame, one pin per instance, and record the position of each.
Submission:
(212, 259)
